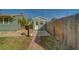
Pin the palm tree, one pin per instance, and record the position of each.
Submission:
(25, 23)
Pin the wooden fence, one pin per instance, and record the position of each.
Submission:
(66, 30)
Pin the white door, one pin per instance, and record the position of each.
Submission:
(36, 27)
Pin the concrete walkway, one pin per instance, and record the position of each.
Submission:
(12, 33)
(8, 34)
(33, 45)
(39, 33)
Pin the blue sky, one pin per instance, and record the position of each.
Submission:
(48, 13)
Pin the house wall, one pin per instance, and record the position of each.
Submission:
(12, 26)
(39, 26)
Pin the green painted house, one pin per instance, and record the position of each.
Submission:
(9, 22)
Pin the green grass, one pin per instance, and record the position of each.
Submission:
(47, 42)
(14, 43)
(50, 43)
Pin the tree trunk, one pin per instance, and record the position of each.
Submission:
(27, 28)
(28, 33)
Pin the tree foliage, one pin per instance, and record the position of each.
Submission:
(24, 22)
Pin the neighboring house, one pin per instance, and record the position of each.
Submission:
(39, 23)
(9, 22)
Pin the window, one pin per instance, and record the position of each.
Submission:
(6, 20)
(36, 23)
(1, 21)
(41, 22)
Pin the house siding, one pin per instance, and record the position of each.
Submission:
(39, 20)
(12, 26)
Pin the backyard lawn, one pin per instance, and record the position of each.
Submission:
(47, 42)
(14, 43)
(50, 43)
